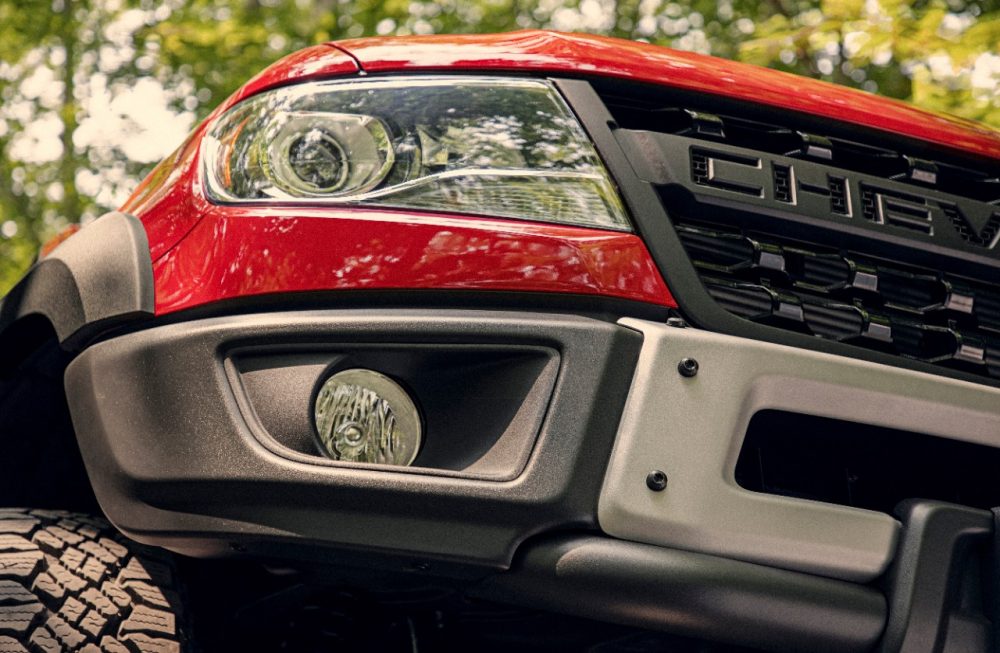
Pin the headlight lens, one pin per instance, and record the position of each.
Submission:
(327, 154)
(490, 146)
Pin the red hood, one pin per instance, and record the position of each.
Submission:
(577, 54)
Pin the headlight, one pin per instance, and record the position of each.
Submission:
(490, 146)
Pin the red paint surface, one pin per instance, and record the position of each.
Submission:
(310, 63)
(169, 201)
(205, 253)
(243, 251)
(581, 54)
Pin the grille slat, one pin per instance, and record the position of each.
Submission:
(911, 292)
(725, 253)
(826, 272)
(987, 310)
(749, 301)
(916, 314)
(835, 321)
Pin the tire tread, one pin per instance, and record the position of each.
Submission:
(70, 584)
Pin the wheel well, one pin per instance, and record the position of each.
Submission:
(40, 462)
(20, 341)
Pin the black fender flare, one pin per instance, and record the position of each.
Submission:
(99, 278)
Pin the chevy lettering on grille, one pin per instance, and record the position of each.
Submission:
(805, 190)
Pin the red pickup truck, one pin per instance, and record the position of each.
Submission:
(537, 341)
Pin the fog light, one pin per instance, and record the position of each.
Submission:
(366, 417)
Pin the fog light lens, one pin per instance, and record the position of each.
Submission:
(366, 417)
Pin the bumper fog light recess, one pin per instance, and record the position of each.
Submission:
(366, 417)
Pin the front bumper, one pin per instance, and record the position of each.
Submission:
(531, 488)
(198, 436)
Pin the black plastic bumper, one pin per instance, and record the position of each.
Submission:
(693, 594)
(197, 436)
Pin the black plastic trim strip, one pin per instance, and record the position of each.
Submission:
(99, 278)
(691, 594)
(935, 546)
(608, 309)
(654, 225)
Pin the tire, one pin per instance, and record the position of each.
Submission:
(69, 582)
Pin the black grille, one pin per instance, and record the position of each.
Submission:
(850, 297)
(848, 237)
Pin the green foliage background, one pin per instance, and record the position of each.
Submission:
(940, 54)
